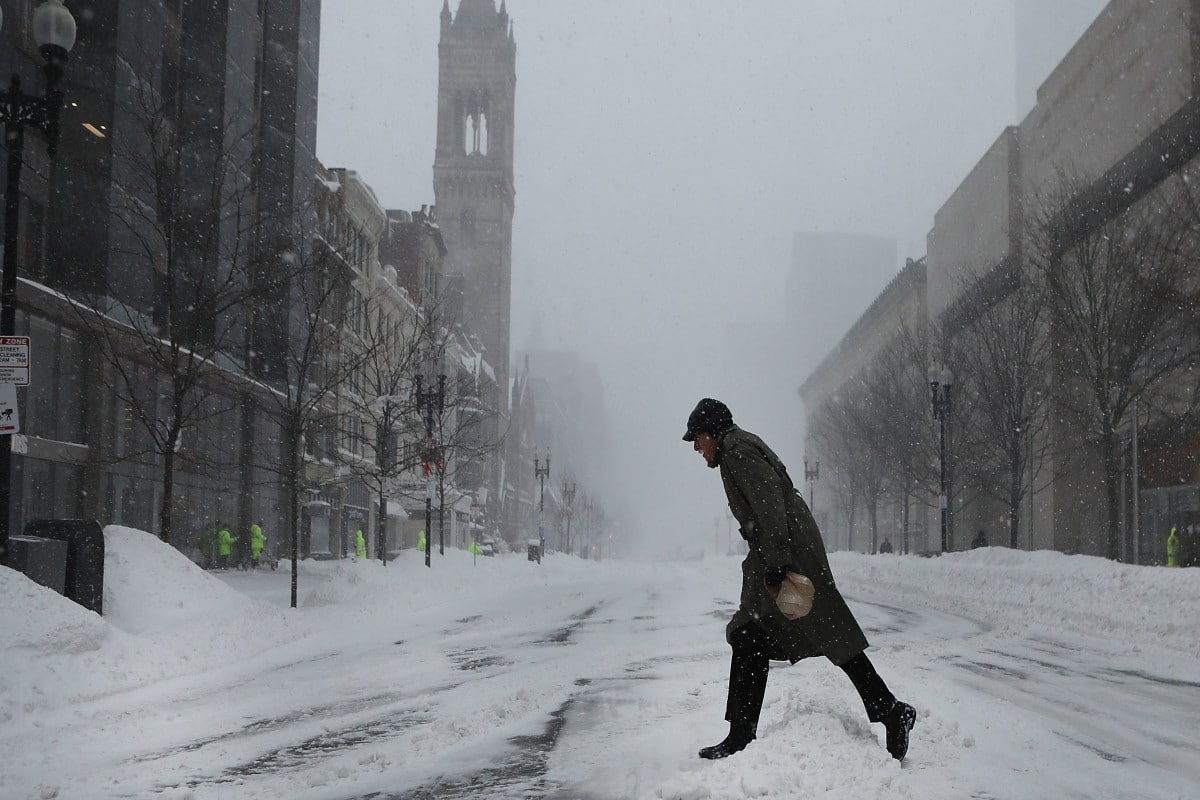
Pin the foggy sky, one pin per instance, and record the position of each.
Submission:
(666, 154)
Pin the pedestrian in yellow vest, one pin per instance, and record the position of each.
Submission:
(421, 542)
(224, 545)
(257, 542)
(360, 544)
(1173, 548)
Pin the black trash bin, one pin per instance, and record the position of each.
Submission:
(84, 579)
(43, 561)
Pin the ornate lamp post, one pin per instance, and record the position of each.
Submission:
(541, 473)
(474, 530)
(569, 496)
(432, 401)
(811, 475)
(941, 380)
(54, 34)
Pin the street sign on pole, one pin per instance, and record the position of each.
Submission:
(10, 422)
(14, 360)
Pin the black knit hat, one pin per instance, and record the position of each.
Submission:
(709, 416)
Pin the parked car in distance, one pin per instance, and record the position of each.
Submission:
(488, 547)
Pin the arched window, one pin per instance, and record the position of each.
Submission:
(475, 111)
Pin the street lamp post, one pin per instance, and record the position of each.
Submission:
(811, 475)
(941, 380)
(54, 34)
(569, 496)
(474, 530)
(432, 401)
(541, 473)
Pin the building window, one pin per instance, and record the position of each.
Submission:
(54, 399)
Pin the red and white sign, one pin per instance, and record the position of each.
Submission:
(14, 361)
(9, 421)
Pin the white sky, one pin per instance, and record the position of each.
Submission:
(667, 152)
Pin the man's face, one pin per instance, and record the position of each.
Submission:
(706, 445)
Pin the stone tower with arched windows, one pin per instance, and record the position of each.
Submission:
(473, 168)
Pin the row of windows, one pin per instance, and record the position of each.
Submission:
(345, 237)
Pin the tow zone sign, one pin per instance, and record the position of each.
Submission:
(14, 372)
(14, 360)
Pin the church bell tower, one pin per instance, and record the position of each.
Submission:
(473, 169)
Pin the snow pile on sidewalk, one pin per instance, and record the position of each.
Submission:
(164, 617)
(1136, 606)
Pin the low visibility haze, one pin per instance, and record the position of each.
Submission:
(666, 155)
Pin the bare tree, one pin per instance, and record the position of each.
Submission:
(900, 396)
(1002, 353)
(183, 242)
(467, 430)
(304, 406)
(1121, 309)
(391, 344)
(838, 434)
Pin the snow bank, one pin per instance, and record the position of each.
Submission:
(164, 618)
(1135, 606)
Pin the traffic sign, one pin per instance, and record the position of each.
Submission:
(14, 361)
(10, 422)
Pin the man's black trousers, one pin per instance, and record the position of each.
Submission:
(754, 649)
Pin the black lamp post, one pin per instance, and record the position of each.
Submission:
(941, 379)
(541, 473)
(431, 401)
(811, 475)
(569, 496)
(54, 34)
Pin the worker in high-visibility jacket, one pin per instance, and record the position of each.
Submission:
(224, 545)
(474, 547)
(1173, 548)
(421, 542)
(360, 544)
(257, 541)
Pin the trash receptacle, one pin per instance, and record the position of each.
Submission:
(533, 550)
(41, 560)
(84, 540)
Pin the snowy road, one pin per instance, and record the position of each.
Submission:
(578, 680)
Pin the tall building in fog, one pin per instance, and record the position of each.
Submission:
(1044, 33)
(832, 280)
(473, 169)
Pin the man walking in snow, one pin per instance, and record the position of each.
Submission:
(782, 537)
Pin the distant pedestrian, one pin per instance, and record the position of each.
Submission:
(783, 538)
(421, 541)
(980, 539)
(360, 544)
(206, 543)
(224, 545)
(886, 547)
(1173, 548)
(258, 540)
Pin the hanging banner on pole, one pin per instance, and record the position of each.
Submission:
(10, 422)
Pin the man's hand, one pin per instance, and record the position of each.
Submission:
(773, 591)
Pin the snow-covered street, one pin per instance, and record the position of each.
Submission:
(1034, 675)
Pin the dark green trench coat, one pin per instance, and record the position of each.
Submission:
(780, 531)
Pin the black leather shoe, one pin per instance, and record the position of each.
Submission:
(898, 722)
(735, 742)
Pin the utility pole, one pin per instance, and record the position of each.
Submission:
(569, 496)
(430, 401)
(941, 379)
(541, 473)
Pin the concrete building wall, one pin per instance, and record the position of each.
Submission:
(973, 230)
(1132, 70)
